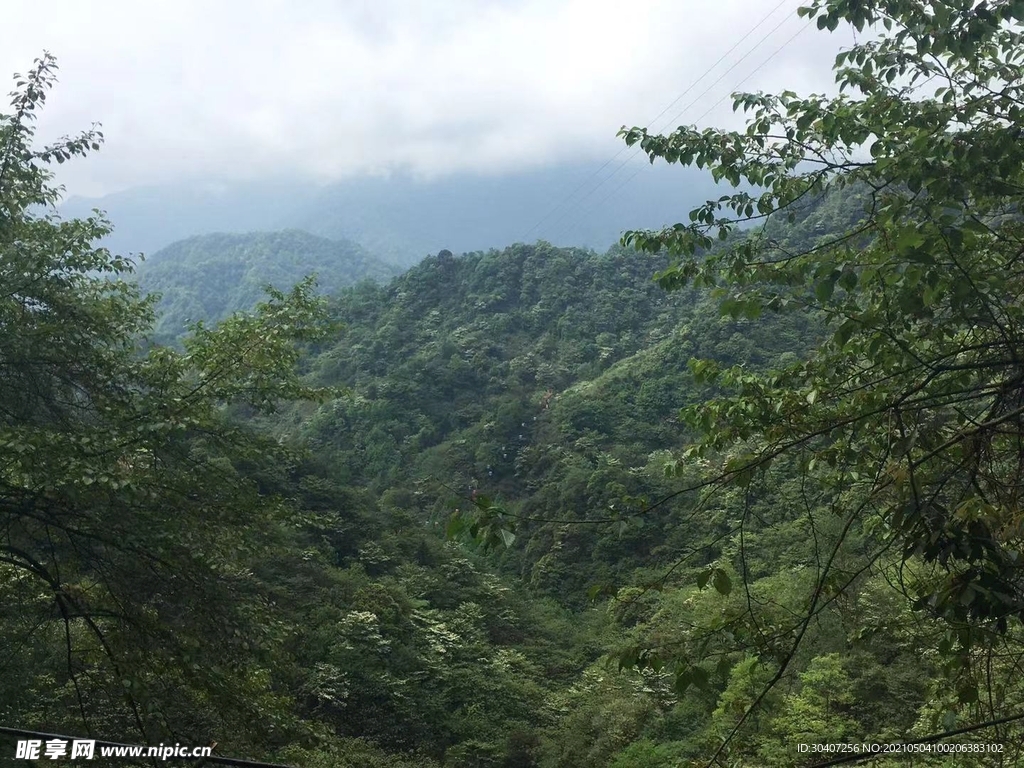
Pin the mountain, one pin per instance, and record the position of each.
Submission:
(546, 376)
(208, 277)
(402, 218)
(149, 218)
(494, 516)
(536, 391)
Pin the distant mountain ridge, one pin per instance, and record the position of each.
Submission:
(402, 219)
(149, 218)
(207, 277)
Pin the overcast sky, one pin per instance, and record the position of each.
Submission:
(235, 89)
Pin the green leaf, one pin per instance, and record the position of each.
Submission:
(704, 578)
(721, 582)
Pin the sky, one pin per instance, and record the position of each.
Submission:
(232, 90)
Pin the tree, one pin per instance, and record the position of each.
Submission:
(132, 523)
(909, 416)
(815, 714)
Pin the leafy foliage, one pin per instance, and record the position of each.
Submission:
(914, 398)
(907, 418)
(128, 520)
(170, 573)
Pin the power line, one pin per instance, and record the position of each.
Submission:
(211, 759)
(675, 101)
(577, 206)
(624, 184)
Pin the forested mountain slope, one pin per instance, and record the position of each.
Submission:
(207, 277)
(532, 508)
(537, 391)
(548, 375)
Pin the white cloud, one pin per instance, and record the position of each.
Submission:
(190, 89)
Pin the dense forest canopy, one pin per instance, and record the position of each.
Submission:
(529, 507)
(907, 422)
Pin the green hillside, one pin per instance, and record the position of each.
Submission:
(544, 386)
(208, 277)
(746, 490)
(542, 374)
